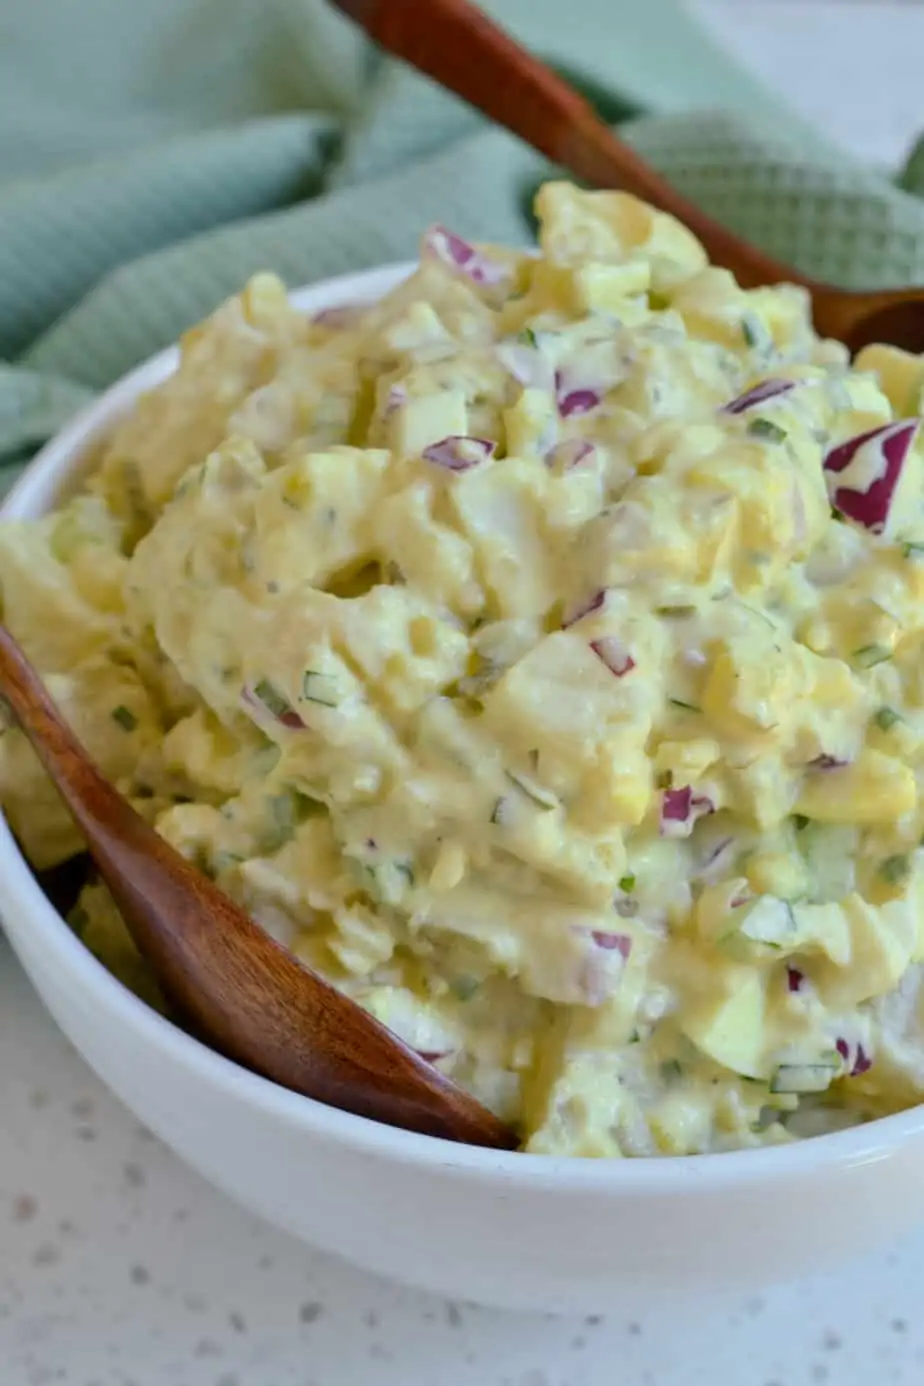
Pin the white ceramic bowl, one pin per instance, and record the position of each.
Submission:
(515, 1230)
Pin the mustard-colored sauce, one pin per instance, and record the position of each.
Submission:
(528, 654)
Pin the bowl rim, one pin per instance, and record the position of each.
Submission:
(22, 901)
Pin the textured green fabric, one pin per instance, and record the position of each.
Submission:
(153, 154)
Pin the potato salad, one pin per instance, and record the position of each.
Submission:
(539, 654)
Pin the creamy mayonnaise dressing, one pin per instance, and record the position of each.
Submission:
(538, 653)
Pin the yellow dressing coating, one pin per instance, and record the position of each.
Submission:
(527, 676)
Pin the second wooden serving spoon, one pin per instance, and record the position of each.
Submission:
(457, 45)
(234, 986)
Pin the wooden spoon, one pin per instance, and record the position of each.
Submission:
(457, 45)
(243, 993)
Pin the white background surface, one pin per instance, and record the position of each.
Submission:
(118, 1267)
(852, 67)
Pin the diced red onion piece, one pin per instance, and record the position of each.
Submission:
(604, 939)
(432, 1056)
(461, 255)
(574, 399)
(717, 862)
(862, 1063)
(459, 453)
(825, 762)
(291, 720)
(680, 809)
(613, 653)
(719, 850)
(885, 449)
(602, 966)
(676, 804)
(856, 1063)
(340, 315)
(564, 457)
(397, 395)
(758, 394)
(594, 603)
(795, 980)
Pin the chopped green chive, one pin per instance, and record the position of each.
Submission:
(405, 869)
(886, 718)
(536, 792)
(913, 548)
(749, 331)
(895, 869)
(766, 428)
(528, 337)
(389, 880)
(463, 988)
(675, 610)
(276, 704)
(125, 717)
(868, 656)
(686, 707)
(271, 698)
(627, 883)
(319, 688)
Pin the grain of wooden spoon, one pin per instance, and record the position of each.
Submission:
(457, 45)
(240, 991)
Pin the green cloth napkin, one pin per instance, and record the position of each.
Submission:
(154, 154)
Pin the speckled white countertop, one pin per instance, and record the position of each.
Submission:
(119, 1267)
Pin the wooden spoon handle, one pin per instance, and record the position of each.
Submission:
(457, 45)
